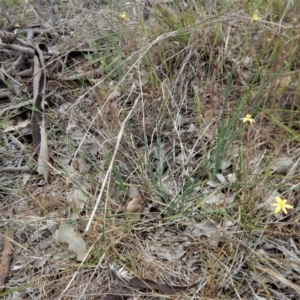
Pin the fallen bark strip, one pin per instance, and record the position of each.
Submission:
(5, 260)
(128, 280)
(39, 134)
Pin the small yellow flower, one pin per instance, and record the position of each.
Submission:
(123, 17)
(281, 204)
(255, 17)
(248, 118)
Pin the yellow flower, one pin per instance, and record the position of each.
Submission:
(123, 17)
(281, 204)
(248, 118)
(255, 17)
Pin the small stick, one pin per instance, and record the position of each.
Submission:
(16, 170)
(5, 260)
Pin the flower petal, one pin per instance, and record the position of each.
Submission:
(284, 210)
(289, 206)
(277, 209)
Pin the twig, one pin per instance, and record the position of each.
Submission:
(16, 106)
(16, 65)
(5, 261)
(84, 75)
(21, 49)
(16, 170)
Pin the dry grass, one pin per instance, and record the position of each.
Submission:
(159, 120)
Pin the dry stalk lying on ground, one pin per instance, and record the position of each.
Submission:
(5, 260)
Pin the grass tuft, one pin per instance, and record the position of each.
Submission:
(160, 117)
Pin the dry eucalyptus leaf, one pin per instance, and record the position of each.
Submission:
(215, 198)
(66, 234)
(291, 258)
(17, 127)
(206, 228)
(213, 183)
(78, 199)
(133, 191)
(134, 208)
(284, 80)
(135, 205)
(282, 165)
(231, 178)
(39, 262)
(222, 178)
(64, 159)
